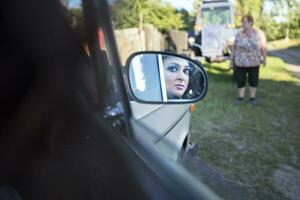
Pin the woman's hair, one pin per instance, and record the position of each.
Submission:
(192, 78)
(165, 57)
(249, 19)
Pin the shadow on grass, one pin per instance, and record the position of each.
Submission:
(217, 73)
(225, 188)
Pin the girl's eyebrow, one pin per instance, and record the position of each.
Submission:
(173, 64)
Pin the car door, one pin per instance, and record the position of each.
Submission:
(170, 123)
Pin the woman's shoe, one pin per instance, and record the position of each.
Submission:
(238, 101)
(253, 101)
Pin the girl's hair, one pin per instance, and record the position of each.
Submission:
(249, 19)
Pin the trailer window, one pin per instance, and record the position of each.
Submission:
(216, 15)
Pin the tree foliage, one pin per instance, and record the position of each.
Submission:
(188, 19)
(125, 14)
(130, 13)
(290, 10)
(274, 29)
(249, 7)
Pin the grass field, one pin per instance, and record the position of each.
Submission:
(255, 146)
(283, 44)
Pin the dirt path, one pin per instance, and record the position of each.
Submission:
(291, 56)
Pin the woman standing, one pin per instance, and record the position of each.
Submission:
(249, 51)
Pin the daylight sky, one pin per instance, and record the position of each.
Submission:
(186, 4)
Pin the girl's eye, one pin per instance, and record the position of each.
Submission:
(187, 71)
(172, 68)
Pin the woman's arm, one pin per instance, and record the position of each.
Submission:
(232, 52)
(263, 46)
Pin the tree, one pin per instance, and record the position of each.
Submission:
(249, 7)
(125, 14)
(281, 19)
(133, 13)
(288, 9)
(196, 5)
(187, 18)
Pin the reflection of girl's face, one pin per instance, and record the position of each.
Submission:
(177, 72)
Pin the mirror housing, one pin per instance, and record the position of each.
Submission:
(165, 78)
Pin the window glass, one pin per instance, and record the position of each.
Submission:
(216, 15)
(75, 15)
(110, 82)
(145, 79)
(101, 75)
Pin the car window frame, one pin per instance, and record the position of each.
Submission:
(97, 15)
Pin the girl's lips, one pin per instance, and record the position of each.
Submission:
(179, 86)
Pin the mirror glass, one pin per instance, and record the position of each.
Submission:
(164, 77)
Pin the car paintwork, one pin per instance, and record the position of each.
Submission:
(169, 122)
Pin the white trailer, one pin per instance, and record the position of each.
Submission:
(214, 29)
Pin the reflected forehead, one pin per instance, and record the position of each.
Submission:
(175, 60)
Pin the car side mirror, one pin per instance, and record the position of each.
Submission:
(161, 77)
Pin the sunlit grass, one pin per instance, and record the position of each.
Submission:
(273, 71)
(283, 44)
(276, 70)
(245, 143)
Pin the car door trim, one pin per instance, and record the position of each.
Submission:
(149, 112)
(171, 127)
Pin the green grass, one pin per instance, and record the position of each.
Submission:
(283, 44)
(245, 143)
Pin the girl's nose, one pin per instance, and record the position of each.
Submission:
(180, 75)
